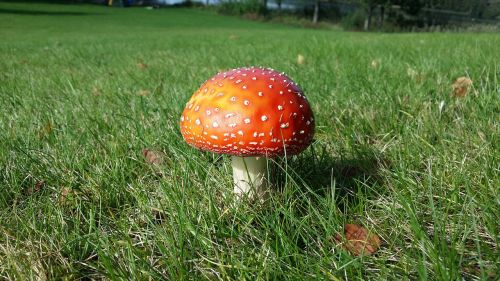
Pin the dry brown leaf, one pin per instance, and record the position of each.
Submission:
(37, 188)
(153, 157)
(39, 185)
(301, 59)
(358, 240)
(67, 194)
(461, 86)
(142, 65)
(45, 130)
(64, 194)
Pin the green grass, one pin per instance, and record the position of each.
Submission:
(385, 156)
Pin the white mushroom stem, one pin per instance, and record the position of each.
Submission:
(249, 174)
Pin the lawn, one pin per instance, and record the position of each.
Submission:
(86, 90)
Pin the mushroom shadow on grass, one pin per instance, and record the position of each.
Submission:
(317, 171)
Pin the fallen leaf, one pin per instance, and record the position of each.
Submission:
(233, 37)
(37, 188)
(301, 59)
(411, 72)
(375, 63)
(142, 65)
(45, 130)
(461, 86)
(357, 240)
(96, 91)
(159, 215)
(143, 93)
(153, 157)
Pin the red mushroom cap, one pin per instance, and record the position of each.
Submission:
(249, 112)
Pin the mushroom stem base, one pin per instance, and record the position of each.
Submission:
(249, 174)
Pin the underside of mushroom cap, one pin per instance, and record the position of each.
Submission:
(249, 112)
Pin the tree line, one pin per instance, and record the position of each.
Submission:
(371, 14)
(426, 12)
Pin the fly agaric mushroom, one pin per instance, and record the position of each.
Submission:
(249, 113)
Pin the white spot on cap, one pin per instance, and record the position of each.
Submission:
(244, 87)
(255, 134)
(280, 107)
(260, 94)
(284, 125)
(214, 137)
(238, 81)
(281, 92)
(308, 122)
(197, 108)
(220, 94)
(229, 115)
(270, 86)
(302, 132)
(254, 78)
(233, 98)
(246, 102)
(215, 124)
(240, 132)
(182, 118)
(197, 122)
(247, 120)
(209, 112)
(263, 118)
(232, 125)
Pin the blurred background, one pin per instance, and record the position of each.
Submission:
(380, 15)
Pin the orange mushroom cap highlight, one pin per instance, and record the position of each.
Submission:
(249, 111)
